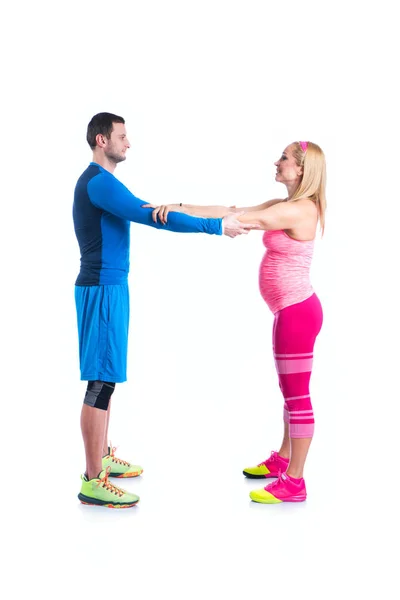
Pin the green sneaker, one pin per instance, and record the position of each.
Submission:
(119, 467)
(101, 492)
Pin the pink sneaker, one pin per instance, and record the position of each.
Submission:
(284, 489)
(272, 467)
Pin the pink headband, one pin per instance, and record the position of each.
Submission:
(304, 146)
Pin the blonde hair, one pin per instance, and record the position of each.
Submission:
(313, 182)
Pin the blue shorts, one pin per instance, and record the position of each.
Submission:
(103, 323)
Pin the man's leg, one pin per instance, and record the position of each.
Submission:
(96, 488)
(105, 441)
(118, 467)
(94, 422)
(99, 338)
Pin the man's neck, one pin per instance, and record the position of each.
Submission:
(104, 162)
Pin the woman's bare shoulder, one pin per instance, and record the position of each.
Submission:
(307, 204)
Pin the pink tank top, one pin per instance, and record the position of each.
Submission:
(285, 270)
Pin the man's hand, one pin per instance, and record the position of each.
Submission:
(232, 227)
(162, 211)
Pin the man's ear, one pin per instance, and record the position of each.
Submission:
(101, 140)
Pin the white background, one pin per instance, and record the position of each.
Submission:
(211, 92)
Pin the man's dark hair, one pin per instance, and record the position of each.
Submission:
(101, 123)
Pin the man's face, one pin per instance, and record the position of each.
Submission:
(115, 148)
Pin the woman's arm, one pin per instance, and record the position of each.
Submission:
(221, 211)
(210, 212)
(260, 206)
(283, 215)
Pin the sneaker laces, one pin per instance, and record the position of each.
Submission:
(119, 461)
(277, 482)
(271, 458)
(103, 482)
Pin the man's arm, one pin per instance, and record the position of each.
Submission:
(111, 195)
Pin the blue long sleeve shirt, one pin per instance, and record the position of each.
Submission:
(103, 210)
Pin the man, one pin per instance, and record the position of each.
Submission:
(102, 212)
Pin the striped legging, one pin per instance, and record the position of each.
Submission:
(295, 330)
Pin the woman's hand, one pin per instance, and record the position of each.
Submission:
(162, 211)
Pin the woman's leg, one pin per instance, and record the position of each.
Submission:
(295, 330)
(284, 450)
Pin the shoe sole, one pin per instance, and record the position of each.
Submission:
(251, 476)
(120, 475)
(95, 502)
(278, 501)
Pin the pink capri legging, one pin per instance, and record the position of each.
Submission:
(295, 330)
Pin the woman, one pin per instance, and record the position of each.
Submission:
(290, 227)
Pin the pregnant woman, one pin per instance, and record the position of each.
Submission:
(290, 226)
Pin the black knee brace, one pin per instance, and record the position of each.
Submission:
(98, 394)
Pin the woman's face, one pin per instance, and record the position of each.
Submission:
(287, 171)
